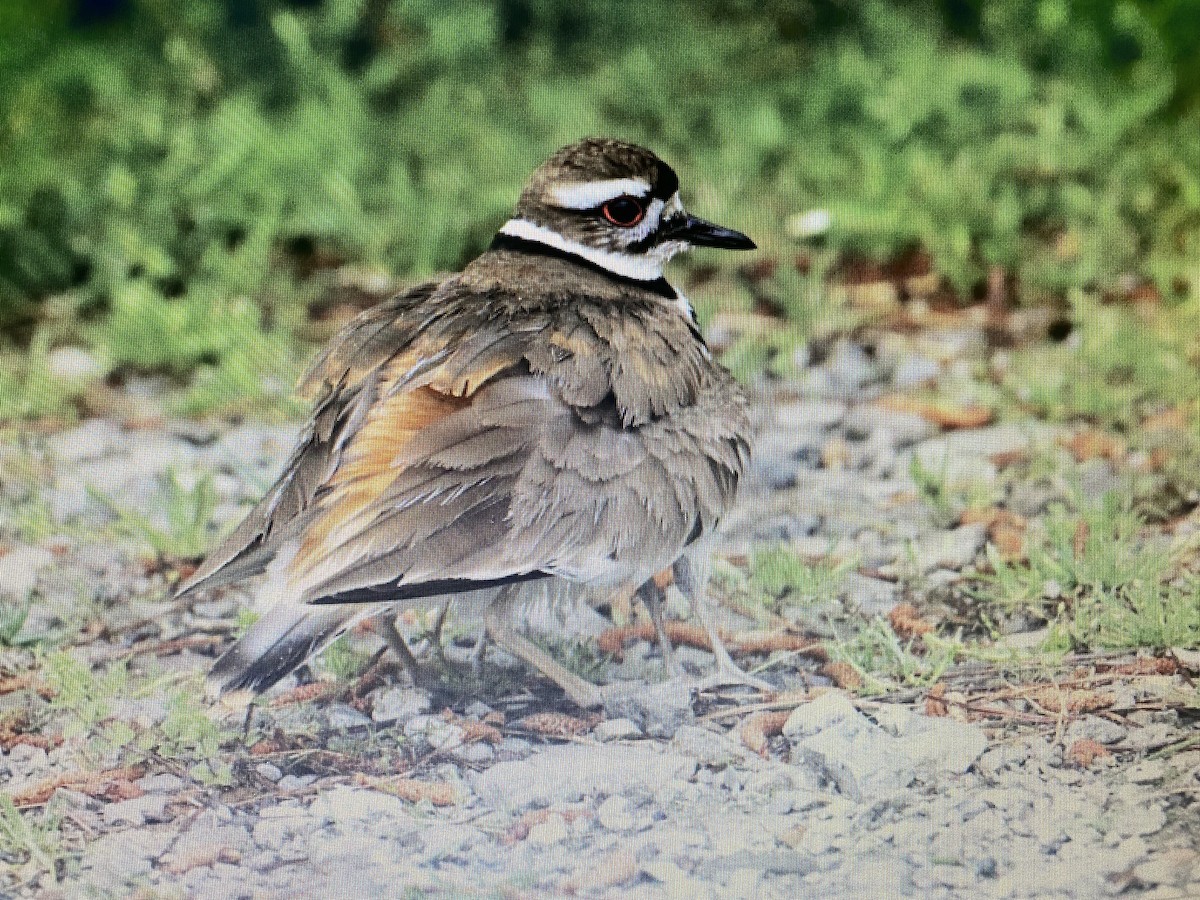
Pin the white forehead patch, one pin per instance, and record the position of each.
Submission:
(590, 194)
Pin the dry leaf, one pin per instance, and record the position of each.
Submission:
(479, 731)
(1056, 700)
(554, 724)
(613, 640)
(94, 784)
(201, 857)
(614, 868)
(944, 415)
(412, 790)
(935, 702)
(843, 675)
(1147, 665)
(1084, 753)
(1092, 444)
(835, 454)
(305, 693)
(758, 728)
(519, 830)
(1173, 418)
(1080, 538)
(907, 622)
(15, 683)
(778, 642)
(1006, 529)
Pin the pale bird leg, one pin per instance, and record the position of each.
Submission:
(728, 672)
(497, 619)
(436, 636)
(478, 652)
(385, 626)
(652, 597)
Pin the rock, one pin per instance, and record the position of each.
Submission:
(552, 831)
(342, 717)
(830, 709)
(91, 439)
(1171, 867)
(715, 751)
(808, 414)
(849, 367)
(269, 771)
(394, 703)
(1141, 820)
(675, 881)
(900, 428)
(954, 549)
(19, 569)
(1148, 771)
(915, 370)
(434, 731)
(864, 759)
(138, 811)
(616, 730)
(114, 860)
(963, 456)
(569, 773)
(872, 596)
(441, 841)
(658, 709)
(614, 814)
(348, 808)
(1090, 728)
(933, 744)
(73, 364)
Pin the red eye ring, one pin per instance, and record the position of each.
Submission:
(624, 212)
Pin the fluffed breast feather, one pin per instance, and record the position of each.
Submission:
(463, 431)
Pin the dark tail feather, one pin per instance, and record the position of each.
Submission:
(278, 643)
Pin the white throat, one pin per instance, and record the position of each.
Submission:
(641, 267)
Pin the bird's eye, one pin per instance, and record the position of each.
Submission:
(623, 211)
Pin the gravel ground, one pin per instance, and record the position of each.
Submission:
(378, 788)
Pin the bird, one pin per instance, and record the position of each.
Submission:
(550, 411)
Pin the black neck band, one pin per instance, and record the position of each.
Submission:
(659, 286)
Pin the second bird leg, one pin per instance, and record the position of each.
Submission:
(498, 622)
(651, 596)
(728, 672)
(385, 625)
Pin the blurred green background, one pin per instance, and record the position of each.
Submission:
(197, 190)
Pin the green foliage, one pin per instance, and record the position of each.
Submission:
(1100, 582)
(84, 694)
(342, 661)
(184, 180)
(1117, 368)
(31, 841)
(187, 512)
(887, 662)
(28, 389)
(780, 574)
(190, 735)
(13, 614)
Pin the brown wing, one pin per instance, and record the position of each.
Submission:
(463, 458)
(336, 381)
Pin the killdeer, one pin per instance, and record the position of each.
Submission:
(551, 411)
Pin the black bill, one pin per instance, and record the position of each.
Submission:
(700, 233)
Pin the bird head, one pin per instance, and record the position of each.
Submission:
(616, 205)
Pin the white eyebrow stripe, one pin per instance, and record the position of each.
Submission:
(590, 194)
(642, 267)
